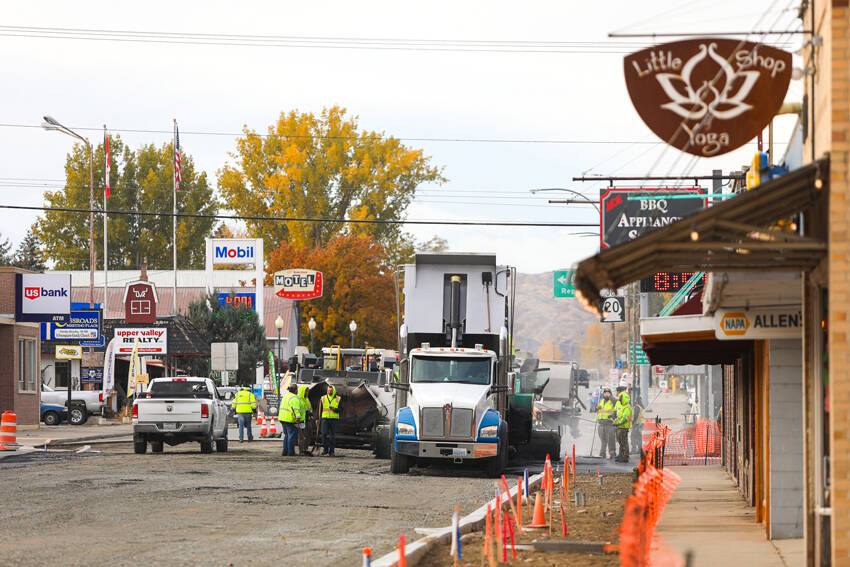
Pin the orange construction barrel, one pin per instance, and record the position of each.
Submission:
(8, 431)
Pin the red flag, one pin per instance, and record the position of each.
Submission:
(108, 165)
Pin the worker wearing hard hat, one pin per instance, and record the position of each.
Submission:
(605, 423)
(623, 422)
(306, 411)
(330, 420)
(289, 416)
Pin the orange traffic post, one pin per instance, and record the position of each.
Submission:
(513, 546)
(497, 519)
(8, 431)
(485, 551)
(519, 517)
(510, 501)
(402, 560)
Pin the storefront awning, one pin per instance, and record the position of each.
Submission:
(732, 236)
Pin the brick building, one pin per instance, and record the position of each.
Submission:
(19, 349)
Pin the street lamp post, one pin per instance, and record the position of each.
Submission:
(311, 324)
(51, 123)
(353, 328)
(583, 198)
(279, 324)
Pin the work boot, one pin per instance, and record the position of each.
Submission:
(324, 452)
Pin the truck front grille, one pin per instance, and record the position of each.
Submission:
(436, 422)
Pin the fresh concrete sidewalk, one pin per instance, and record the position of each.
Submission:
(72, 434)
(708, 517)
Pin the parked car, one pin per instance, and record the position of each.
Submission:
(91, 400)
(227, 394)
(177, 410)
(583, 377)
(53, 414)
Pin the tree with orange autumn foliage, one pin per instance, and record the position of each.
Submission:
(323, 167)
(357, 285)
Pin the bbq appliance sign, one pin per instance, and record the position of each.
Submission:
(705, 96)
(152, 340)
(623, 218)
(298, 284)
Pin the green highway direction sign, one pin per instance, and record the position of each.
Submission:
(637, 354)
(563, 282)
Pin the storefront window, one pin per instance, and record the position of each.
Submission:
(27, 365)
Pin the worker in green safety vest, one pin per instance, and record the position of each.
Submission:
(605, 424)
(289, 416)
(244, 405)
(306, 412)
(330, 420)
(623, 422)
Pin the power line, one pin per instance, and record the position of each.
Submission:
(303, 219)
(363, 138)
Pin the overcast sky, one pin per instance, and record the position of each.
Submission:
(534, 97)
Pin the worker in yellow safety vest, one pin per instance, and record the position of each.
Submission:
(330, 420)
(623, 422)
(245, 404)
(605, 423)
(289, 416)
(305, 412)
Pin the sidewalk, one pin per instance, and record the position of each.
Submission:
(708, 517)
(65, 434)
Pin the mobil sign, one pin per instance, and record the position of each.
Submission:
(233, 251)
(42, 297)
(298, 284)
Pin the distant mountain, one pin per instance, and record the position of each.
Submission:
(560, 324)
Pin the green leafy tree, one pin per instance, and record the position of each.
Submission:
(141, 181)
(219, 324)
(29, 255)
(323, 167)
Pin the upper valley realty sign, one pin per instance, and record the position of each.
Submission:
(708, 96)
(152, 340)
(624, 218)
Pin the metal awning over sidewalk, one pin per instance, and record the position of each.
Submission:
(734, 235)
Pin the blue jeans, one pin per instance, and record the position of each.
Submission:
(329, 435)
(290, 436)
(244, 420)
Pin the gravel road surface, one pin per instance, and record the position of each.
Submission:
(248, 506)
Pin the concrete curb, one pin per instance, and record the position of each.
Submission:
(472, 522)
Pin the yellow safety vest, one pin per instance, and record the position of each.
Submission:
(623, 419)
(245, 402)
(330, 407)
(290, 408)
(605, 409)
(305, 403)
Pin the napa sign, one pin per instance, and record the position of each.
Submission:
(736, 324)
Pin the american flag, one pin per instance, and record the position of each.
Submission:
(176, 158)
(108, 165)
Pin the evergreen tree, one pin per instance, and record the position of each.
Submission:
(5, 249)
(29, 255)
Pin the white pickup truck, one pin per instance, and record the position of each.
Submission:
(92, 398)
(177, 410)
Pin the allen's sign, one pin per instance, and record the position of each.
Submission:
(710, 96)
(298, 284)
(758, 324)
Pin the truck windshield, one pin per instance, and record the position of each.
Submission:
(443, 369)
(179, 389)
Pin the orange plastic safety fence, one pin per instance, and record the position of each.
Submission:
(695, 445)
(643, 508)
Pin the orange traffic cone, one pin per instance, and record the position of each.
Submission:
(264, 428)
(272, 427)
(539, 518)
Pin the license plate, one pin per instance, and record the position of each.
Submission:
(459, 452)
(169, 426)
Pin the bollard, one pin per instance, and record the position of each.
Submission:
(584, 499)
(367, 557)
(575, 499)
(8, 431)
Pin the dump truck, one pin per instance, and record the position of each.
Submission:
(459, 398)
(366, 399)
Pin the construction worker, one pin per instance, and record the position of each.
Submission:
(623, 422)
(245, 404)
(289, 416)
(605, 423)
(637, 425)
(306, 413)
(330, 419)
(594, 398)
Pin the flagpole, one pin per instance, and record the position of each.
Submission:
(174, 219)
(107, 172)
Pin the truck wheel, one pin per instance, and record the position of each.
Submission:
(221, 444)
(50, 418)
(207, 446)
(77, 415)
(497, 464)
(399, 464)
(156, 446)
(140, 447)
(383, 443)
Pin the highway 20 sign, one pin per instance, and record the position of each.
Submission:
(563, 282)
(613, 309)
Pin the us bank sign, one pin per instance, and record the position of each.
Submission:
(738, 324)
(708, 96)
